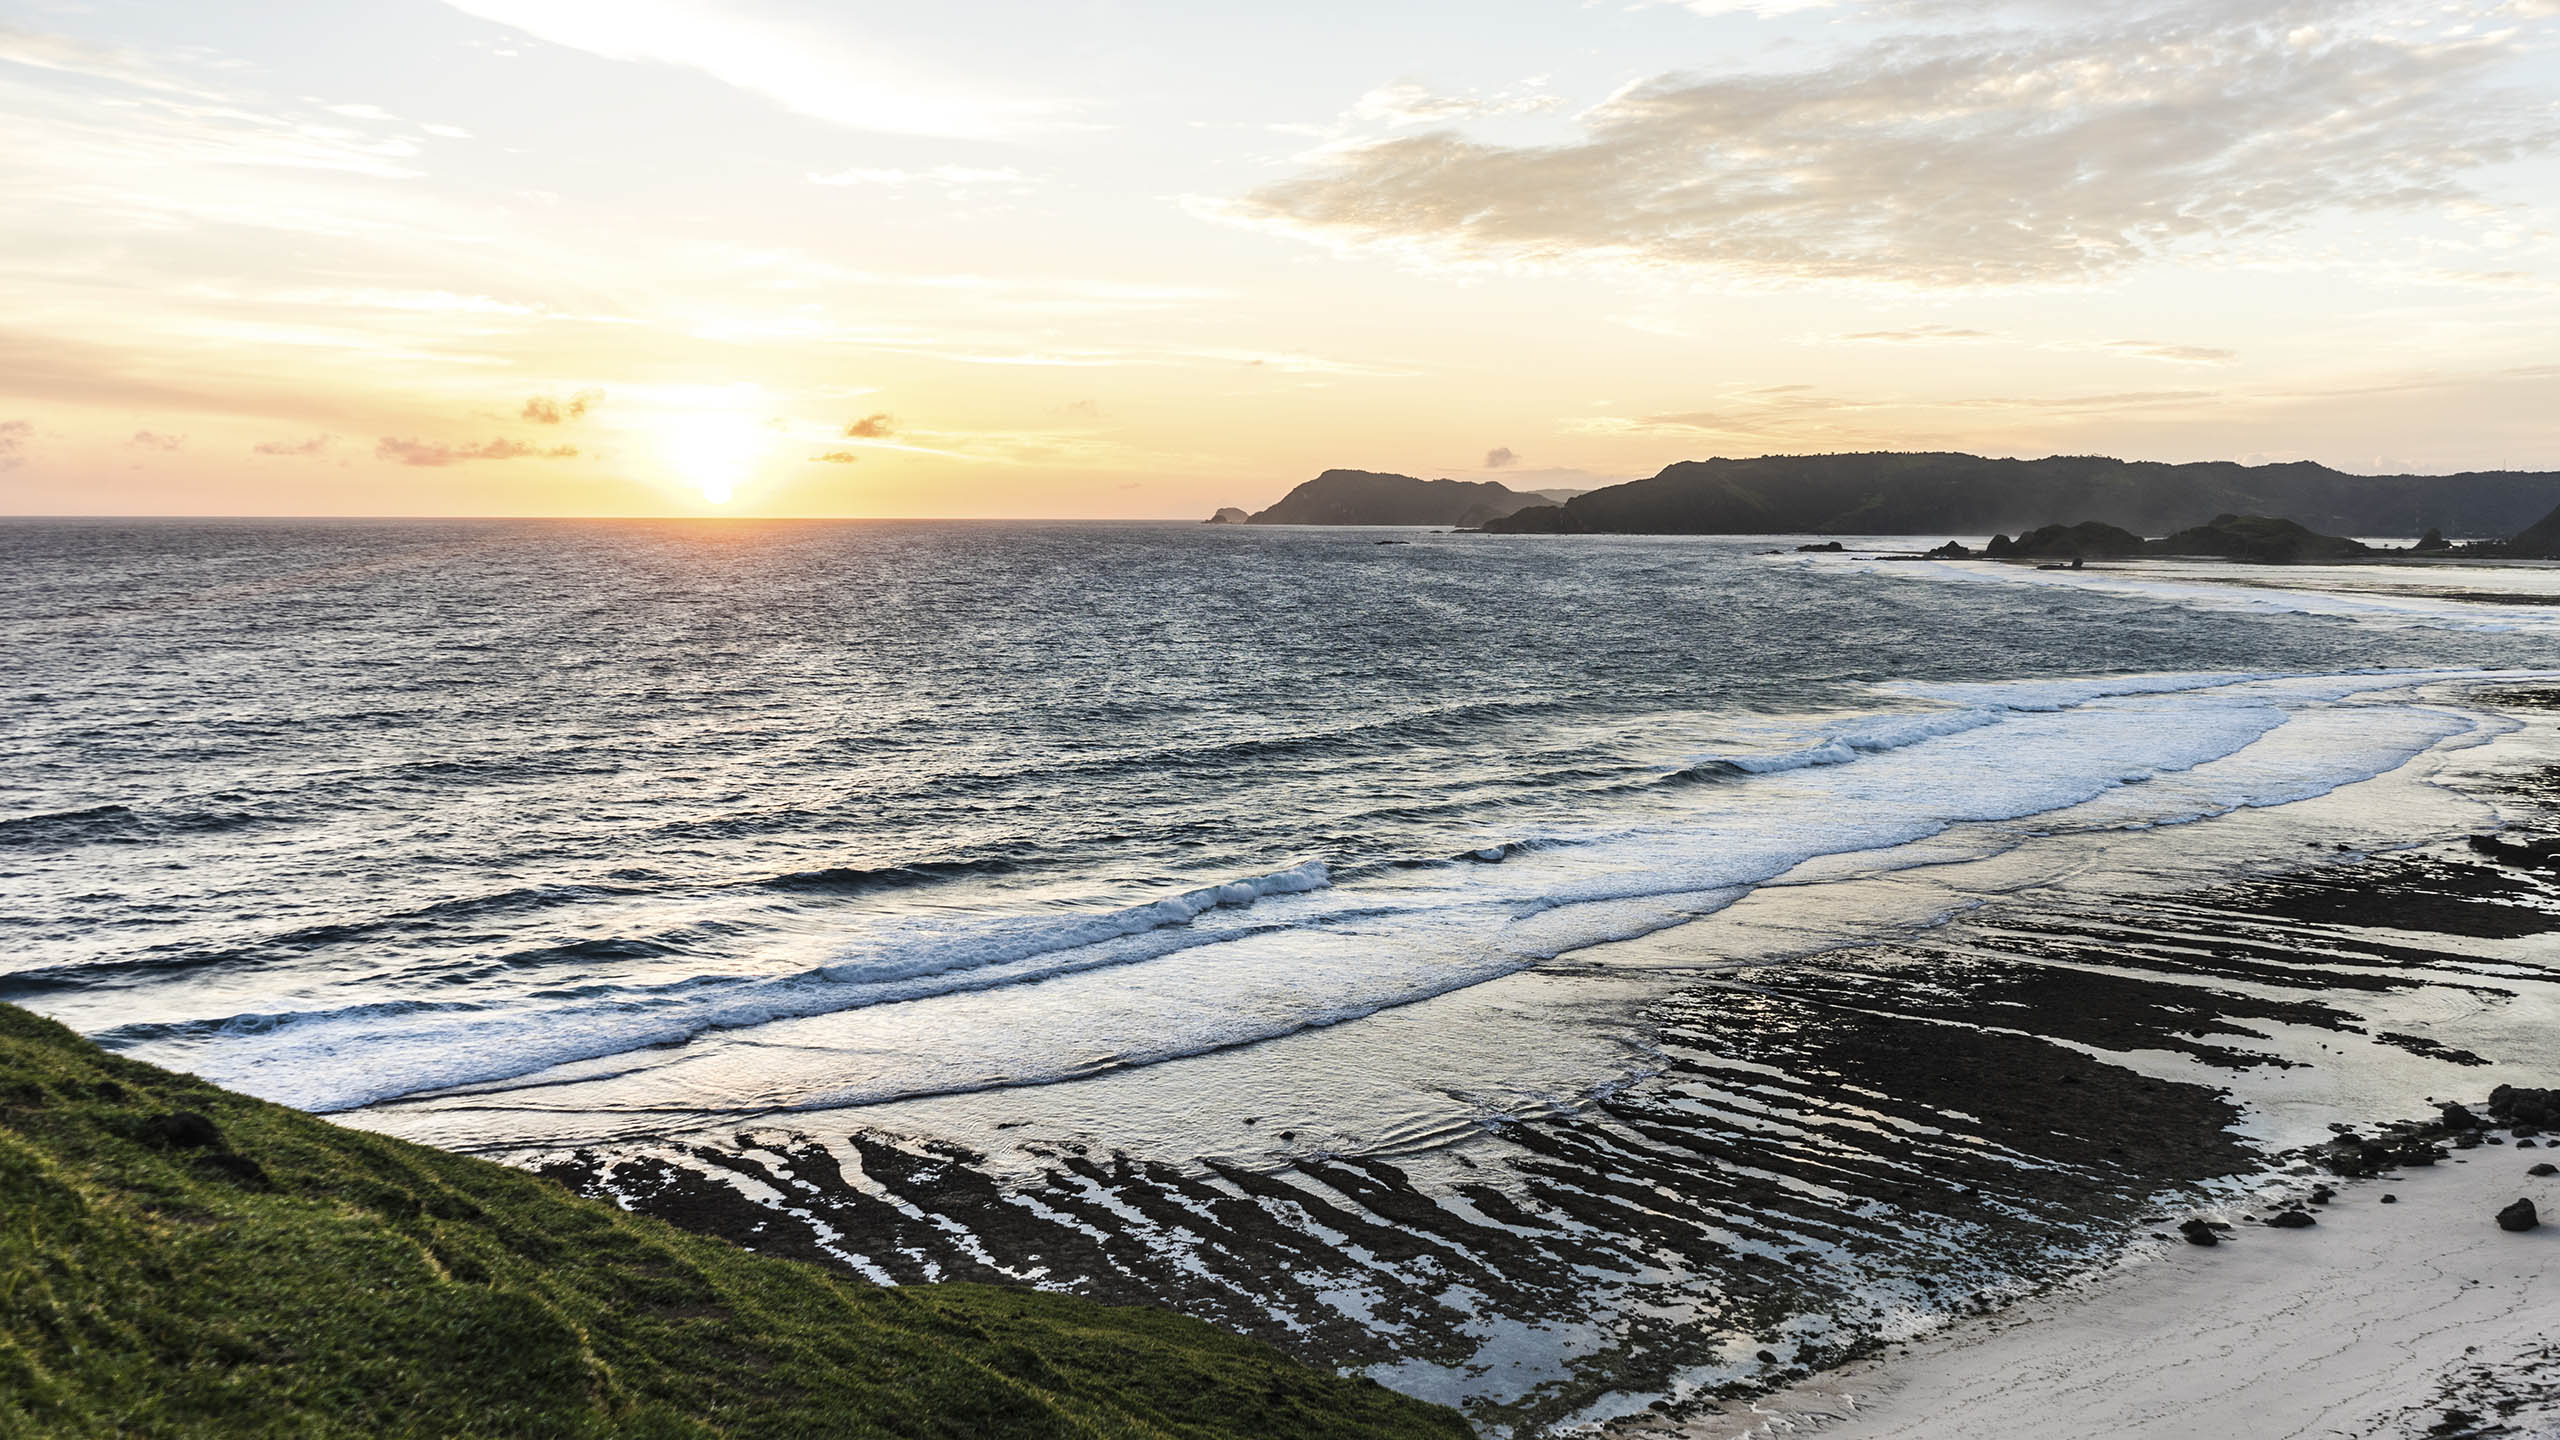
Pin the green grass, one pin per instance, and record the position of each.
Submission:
(297, 1278)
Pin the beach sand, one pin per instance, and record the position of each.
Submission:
(2420, 1317)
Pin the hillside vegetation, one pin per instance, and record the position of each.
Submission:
(178, 1260)
(1954, 494)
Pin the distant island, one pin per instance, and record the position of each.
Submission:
(1943, 494)
(1368, 497)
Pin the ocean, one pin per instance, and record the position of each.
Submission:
(342, 812)
(531, 836)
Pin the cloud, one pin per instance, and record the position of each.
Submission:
(855, 83)
(2175, 354)
(1498, 457)
(871, 427)
(1406, 103)
(154, 440)
(836, 457)
(313, 446)
(14, 436)
(1984, 158)
(1920, 335)
(949, 177)
(427, 452)
(544, 410)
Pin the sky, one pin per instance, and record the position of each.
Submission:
(1111, 258)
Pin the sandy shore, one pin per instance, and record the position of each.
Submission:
(2420, 1317)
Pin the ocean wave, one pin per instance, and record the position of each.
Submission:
(418, 1045)
(1308, 945)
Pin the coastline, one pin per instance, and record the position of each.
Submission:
(2419, 1317)
(1822, 1150)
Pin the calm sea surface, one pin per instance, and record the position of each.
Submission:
(343, 812)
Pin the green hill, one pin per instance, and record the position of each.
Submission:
(1954, 494)
(178, 1260)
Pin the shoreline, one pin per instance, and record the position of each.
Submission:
(2415, 1316)
(1829, 1148)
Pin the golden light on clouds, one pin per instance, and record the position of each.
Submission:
(793, 257)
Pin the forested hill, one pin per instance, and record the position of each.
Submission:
(1891, 493)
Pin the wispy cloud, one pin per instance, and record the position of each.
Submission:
(546, 410)
(877, 426)
(313, 446)
(2174, 354)
(434, 453)
(1920, 335)
(14, 435)
(837, 457)
(1499, 457)
(1407, 103)
(802, 68)
(155, 440)
(1988, 158)
(947, 177)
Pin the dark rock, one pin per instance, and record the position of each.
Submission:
(2090, 539)
(2390, 1199)
(2518, 1217)
(2458, 1117)
(2521, 1107)
(2322, 1194)
(2545, 1168)
(1228, 515)
(1764, 1357)
(1827, 547)
(184, 1130)
(2199, 1232)
(1950, 551)
(2260, 539)
(2292, 1220)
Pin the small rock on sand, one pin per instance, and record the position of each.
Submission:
(2518, 1217)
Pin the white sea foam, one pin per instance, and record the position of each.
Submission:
(938, 1003)
(2382, 597)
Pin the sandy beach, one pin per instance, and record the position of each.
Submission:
(2415, 1318)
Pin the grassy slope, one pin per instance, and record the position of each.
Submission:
(296, 1278)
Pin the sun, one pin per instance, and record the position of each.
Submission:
(715, 451)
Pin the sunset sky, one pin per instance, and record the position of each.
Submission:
(488, 257)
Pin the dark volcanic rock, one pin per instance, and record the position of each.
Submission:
(2260, 539)
(1825, 547)
(2545, 1168)
(2431, 542)
(2292, 1220)
(1228, 515)
(2524, 1108)
(2518, 1217)
(1950, 551)
(2199, 1233)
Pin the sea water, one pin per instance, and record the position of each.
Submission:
(661, 819)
